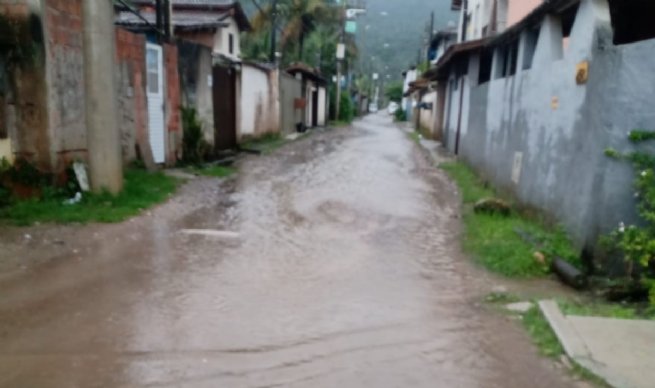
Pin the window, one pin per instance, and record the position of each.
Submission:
(486, 61)
(231, 43)
(152, 60)
(568, 19)
(508, 56)
(531, 39)
(632, 20)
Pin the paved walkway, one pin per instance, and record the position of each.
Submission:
(621, 351)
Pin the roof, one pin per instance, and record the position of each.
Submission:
(419, 84)
(447, 33)
(307, 71)
(218, 9)
(181, 21)
(454, 52)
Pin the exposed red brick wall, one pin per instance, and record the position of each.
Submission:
(15, 8)
(131, 91)
(173, 101)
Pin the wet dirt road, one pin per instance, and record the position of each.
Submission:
(345, 272)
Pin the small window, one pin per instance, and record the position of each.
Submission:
(531, 39)
(231, 43)
(508, 56)
(632, 20)
(486, 61)
(568, 19)
(152, 68)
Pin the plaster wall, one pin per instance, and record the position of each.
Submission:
(222, 41)
(322, 106)
(259, 102)
(518, 9)
(541, 136)
(290, 91)
(196, 81)
(426, 119)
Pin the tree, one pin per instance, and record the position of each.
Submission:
(394, 92)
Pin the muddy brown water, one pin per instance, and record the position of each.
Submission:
(346, 273)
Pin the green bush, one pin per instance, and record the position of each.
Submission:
(400, 115)
(194, 147)
(637, 242)
(346, 108)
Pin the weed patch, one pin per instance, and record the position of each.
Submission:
(265, 144)
(506, 244)
(608, 310)
(142, 190)
(212, 171)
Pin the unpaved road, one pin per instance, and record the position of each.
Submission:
(346, 272)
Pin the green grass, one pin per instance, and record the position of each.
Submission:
(541, 334)
(607, 310)
(266, 143)
(415, 136)
(212, 171)
(142, 190)
(338, 124)
(498, 243)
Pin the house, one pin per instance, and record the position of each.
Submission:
(314, 94)
(207, 33)
(216, 24)
(482, 18)
(533, 108)
(407, 104)
(441, 41)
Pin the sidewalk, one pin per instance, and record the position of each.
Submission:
(621, 351)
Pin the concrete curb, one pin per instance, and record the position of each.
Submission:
(575, 348)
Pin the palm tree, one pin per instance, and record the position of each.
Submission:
(302, 17)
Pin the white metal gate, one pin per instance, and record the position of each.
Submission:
(156, 127)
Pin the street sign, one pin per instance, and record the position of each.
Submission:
(351, 27)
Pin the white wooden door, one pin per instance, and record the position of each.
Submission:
(156, 125)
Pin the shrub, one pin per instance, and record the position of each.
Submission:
(637, 242)
(346, 108)
(194, 147)
(400, 115)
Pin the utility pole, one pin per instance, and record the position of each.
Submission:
(340, 60)
(273, 59)
(430, 36)
(168, 26)
(159, 15)
(103, 137)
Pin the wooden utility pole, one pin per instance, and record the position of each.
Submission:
(339, 61)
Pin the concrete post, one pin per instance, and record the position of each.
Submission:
(105, 164)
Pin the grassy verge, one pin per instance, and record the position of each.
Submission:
(142, 190)
(506, 245)
(212, 171)
(543, 337)
(415, 136)
(607, 310)
(265, 144)
(338, 124)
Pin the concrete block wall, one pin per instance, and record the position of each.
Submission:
(541, 135)
(259, 102)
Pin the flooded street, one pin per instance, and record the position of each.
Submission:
(333, 262)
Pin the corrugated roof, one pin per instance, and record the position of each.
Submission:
(307, 71)
(184, 21)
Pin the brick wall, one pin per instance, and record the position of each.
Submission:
(131, 92)
(173, 117)
(65, 75)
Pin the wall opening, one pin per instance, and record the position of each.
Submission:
(508, 56)
(486, 63)
(567, 18)
(231, 43)
(632, 20)
(530, 47)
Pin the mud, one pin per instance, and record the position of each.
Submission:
(342, 269)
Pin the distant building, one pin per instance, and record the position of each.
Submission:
(483, 18)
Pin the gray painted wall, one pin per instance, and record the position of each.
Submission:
(290, 90)
(562, 128)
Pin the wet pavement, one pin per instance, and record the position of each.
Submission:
(333, 262)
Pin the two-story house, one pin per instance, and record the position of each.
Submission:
(483, 18)
(216, 24)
